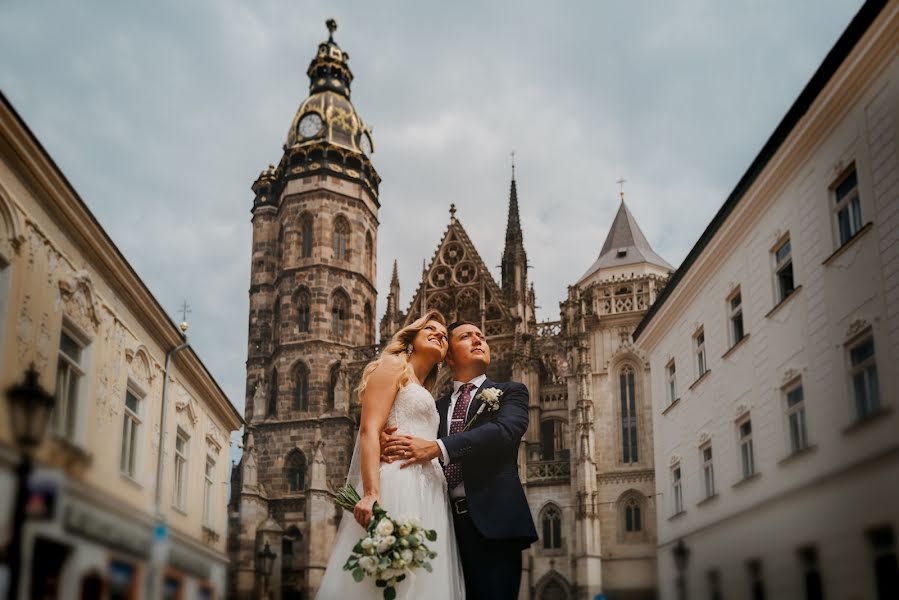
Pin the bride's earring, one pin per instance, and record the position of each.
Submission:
(409, 349)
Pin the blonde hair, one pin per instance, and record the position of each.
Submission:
(397, 347)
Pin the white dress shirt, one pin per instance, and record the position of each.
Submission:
(459, 490)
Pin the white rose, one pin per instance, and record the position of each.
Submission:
(369, 564)
(385, 527)
(420, 555)
(414, 522)
(403, 530)
(367, 543)
(384, 545)
(406, 555)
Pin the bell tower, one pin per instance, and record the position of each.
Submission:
(312, 299)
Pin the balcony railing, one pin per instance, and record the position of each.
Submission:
(544, 472)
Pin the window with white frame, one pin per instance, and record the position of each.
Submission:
(131, 429)
(209, 492)
(699, 350)
(671, 372)
(747, 459)
(847, 208)
(708, 471)
(677, 489)
(182, 455)
(783, 269)
(70, 369)
(796, 417)
(863, 371)
(735, 315)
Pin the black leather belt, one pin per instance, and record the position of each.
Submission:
(460, 505)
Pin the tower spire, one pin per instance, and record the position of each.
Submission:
(515, 260)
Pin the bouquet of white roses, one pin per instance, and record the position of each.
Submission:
(391, 549)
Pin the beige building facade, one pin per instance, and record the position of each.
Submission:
(72, 305)
(772, 353)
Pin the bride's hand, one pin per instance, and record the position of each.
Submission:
(363, 509)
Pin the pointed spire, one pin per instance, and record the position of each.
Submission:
(625, 245)
(515, 261)
(513, 222)
(395, 278)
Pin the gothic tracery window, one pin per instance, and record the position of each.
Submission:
(369, 256)
(340, 307)
(627, 395)
(551, 519)
(633, 516)
(341, 239)
(295, 470)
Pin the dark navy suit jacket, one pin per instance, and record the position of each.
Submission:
(489, 456)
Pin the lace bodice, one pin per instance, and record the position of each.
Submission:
(414, 413)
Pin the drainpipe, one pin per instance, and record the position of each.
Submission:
(160, 534)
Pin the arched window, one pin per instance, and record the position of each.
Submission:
(369, 253)
(306, 236)
(341, 239)
(367, 324)
(340, 309)
(272, 408)
(303, 302)
(552, 438)
(301, 388)
(633, 517)
(295, 471)
(551, 518)
(627, 394)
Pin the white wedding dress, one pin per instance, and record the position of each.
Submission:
(418, 490)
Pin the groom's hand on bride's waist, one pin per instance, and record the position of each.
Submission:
(410, 449)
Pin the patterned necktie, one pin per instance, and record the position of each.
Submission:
(457, 424)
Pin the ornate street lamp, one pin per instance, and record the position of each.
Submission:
(266, 559)
(681, 556)
(29, 407)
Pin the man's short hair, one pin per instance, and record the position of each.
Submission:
(452, 327)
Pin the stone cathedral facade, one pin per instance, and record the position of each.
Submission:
(586, 460)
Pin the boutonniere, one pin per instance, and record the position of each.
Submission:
(490, 401)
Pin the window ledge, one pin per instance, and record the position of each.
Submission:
(670, 406)
(784, 301)
(747, 479)
(553, 551)
(131, 480)
(700, 379)
(850, 242)
(863, 422)
(180, 510)
(708, 499)
(792, 456)
(677, 515)
(735, 346)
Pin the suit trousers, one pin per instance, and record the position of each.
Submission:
(492, 568)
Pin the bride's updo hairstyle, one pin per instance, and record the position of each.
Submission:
(397, 347)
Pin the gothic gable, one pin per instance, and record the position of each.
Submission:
(459, 284)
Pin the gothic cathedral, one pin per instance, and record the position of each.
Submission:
(586, 460)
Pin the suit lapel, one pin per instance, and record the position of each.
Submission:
(442, 407)
(475, 401)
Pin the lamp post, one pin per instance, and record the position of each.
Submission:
(29, 407)
(681, 556)
(266, 559)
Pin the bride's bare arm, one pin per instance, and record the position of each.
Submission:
(377, 400)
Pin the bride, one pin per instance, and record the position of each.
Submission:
(395, 391)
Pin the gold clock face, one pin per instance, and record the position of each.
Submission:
(310, 125)
(365, 143)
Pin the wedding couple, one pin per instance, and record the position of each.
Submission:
(414, 458)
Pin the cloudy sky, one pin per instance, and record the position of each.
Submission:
(163, 113)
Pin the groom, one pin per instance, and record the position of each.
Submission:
(490, 512)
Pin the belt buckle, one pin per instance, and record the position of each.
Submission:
(460, 506)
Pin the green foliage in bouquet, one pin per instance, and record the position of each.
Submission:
(391, 549)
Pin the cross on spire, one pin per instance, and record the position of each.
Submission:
(621, 181)
(512, 154)
(331, 24)
(185, 310)
(453, 212)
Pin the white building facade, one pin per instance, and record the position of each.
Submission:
(773, 349)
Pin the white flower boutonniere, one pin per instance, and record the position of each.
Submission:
(490, 402)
